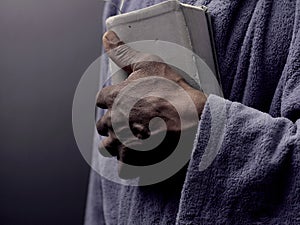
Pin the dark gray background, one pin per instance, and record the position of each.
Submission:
(45, 47)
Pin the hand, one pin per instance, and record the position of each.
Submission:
(140, 65)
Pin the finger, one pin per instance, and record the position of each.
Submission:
(124, 56)
(106, 97)
(119, 52)
(111, 40)
(109, 147)
(104, 124)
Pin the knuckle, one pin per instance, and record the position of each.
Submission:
(148, 61)
(151, 58)
(100, 98)
(106, 96)
(104, 124)
(122, 54)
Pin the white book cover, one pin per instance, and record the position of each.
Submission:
(179, 33)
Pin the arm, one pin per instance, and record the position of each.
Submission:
(254, 174)
(253, 170)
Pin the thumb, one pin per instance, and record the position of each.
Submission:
(124, 56)
(119, 52)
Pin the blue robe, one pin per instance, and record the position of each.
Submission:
(253, 134)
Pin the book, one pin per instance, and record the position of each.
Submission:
(179, 33)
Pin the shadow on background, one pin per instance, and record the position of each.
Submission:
(46, 45)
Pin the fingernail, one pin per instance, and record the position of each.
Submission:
(111, 37)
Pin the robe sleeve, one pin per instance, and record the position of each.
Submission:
(245, 166)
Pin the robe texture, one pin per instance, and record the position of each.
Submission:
(245, 165)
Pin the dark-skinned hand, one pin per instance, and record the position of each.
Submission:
(141, 65)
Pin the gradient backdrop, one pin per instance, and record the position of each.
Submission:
(45, 47)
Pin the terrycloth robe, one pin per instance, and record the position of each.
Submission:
(252, 135)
